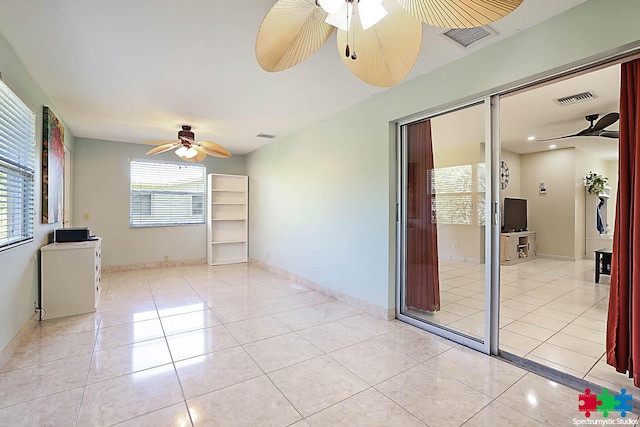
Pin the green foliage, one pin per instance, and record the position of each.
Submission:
(595, 183)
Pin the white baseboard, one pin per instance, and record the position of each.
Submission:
(373, 309)
(150, 265)
(560, 258)
(9, 351)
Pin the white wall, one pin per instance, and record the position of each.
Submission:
(551, 215)
(101, 183)
(19, 266)
(323, 199)
(612, 174)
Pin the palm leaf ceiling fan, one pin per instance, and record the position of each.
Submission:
(187, 148)
(386, 33)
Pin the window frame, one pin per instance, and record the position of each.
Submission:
(155, 207)
(17, 163)
(476, 195)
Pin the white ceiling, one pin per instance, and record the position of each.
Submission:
(132, 71)
(535, 113)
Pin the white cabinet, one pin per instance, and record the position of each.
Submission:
(517, 247)
(227, 218)
(70, 277)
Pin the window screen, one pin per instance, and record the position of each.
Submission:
(164, 193)
(17, 158)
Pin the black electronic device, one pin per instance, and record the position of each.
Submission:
(514, 215)
(76, 234)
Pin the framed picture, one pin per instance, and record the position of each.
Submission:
(52, 167)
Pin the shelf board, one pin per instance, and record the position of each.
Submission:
(228, 203)
(222, 242)
(230, 261)
(215, 190)
(228, 219)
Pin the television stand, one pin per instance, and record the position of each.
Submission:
(517, 247)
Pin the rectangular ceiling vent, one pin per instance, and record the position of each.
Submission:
(265, 135)
(573, 99)
(465, 37)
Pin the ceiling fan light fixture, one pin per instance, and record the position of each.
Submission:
(191, 152)
(331, 6)
(342, 18)
(371, 12)
(186, 152)
(182, 151)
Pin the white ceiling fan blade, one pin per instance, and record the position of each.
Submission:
(163, 148)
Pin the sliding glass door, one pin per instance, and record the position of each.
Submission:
(444, 237)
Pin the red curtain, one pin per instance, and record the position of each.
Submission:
(623, 327)
(422, 280)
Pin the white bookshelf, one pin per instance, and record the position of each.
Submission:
(227, 218)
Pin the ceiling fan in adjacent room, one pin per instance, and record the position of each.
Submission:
(378, 40)
(187, 148)
(595, 128)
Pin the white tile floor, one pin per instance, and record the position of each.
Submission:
(552, 312)
(238, 346)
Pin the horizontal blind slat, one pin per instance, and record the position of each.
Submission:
(17, 160)
(166, 193)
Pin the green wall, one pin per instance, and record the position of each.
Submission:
(101, 190)
(19, 266)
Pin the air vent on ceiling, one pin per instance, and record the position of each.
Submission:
(581, 97)
(265, 135)
(465, 37)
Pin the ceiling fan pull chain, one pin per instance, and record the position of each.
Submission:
(347, 52)
(353, 55)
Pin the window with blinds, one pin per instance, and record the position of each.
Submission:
(460, 194)
(166, 193)
(17, 173)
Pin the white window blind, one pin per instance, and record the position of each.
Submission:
(460, 194)
(17, 159)
(166, 193)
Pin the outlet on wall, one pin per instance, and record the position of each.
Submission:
(456, 246)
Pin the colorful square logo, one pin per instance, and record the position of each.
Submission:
(605, 402)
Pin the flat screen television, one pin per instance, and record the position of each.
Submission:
(515, 215)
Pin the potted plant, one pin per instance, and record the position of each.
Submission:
(595, 183)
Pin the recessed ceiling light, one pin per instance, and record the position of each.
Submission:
(553, 146)
(531, 138)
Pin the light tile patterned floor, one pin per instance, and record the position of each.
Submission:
(239, 346)
(551, 312)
